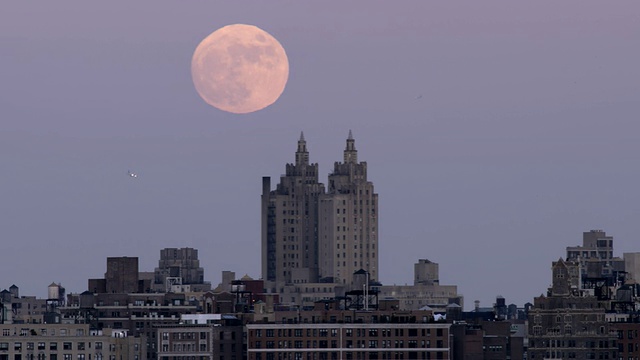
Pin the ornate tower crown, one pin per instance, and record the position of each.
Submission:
(350, 152)
(302, 155)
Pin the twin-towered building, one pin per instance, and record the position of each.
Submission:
(315, 235)
(321, 243)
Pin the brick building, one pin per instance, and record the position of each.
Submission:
(567, 324)
(330, 333)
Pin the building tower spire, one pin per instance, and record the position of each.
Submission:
(350, 152)
(302, 155)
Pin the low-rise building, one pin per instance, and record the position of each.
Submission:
(140, 314)
(202, 336)
(425, 291)
(67, 342)
(327, 332)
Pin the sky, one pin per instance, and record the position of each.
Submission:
(495, 133)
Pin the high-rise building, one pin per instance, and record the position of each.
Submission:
(312, 236)
(595, 255)
(348, 221)
(426, 272)
(179, 268)
(290, 224)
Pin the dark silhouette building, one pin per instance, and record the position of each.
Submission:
(122, 274)
(179, 269)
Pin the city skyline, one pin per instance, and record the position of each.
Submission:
(495, 134)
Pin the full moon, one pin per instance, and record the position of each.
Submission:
(240, 69)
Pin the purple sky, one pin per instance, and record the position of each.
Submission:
(526, 134)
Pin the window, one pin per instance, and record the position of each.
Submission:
(537, 330)
(567, 329)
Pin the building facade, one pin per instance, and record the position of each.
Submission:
(569, 324)
(311, 236)
(201, 337)
(67, 342)
(425, 291)
(290, 224)
(632, 267)
(337, 334)
(138, 314)
(178, 271)
(628, 338)
(348, 221)
(595, 256)
(121, 275)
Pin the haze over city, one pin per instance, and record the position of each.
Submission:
(495, 134)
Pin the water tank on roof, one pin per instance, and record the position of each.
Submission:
(15, 291)
(53, 291)
(5, 296)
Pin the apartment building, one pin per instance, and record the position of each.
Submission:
(327, 332)
(67, 342)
